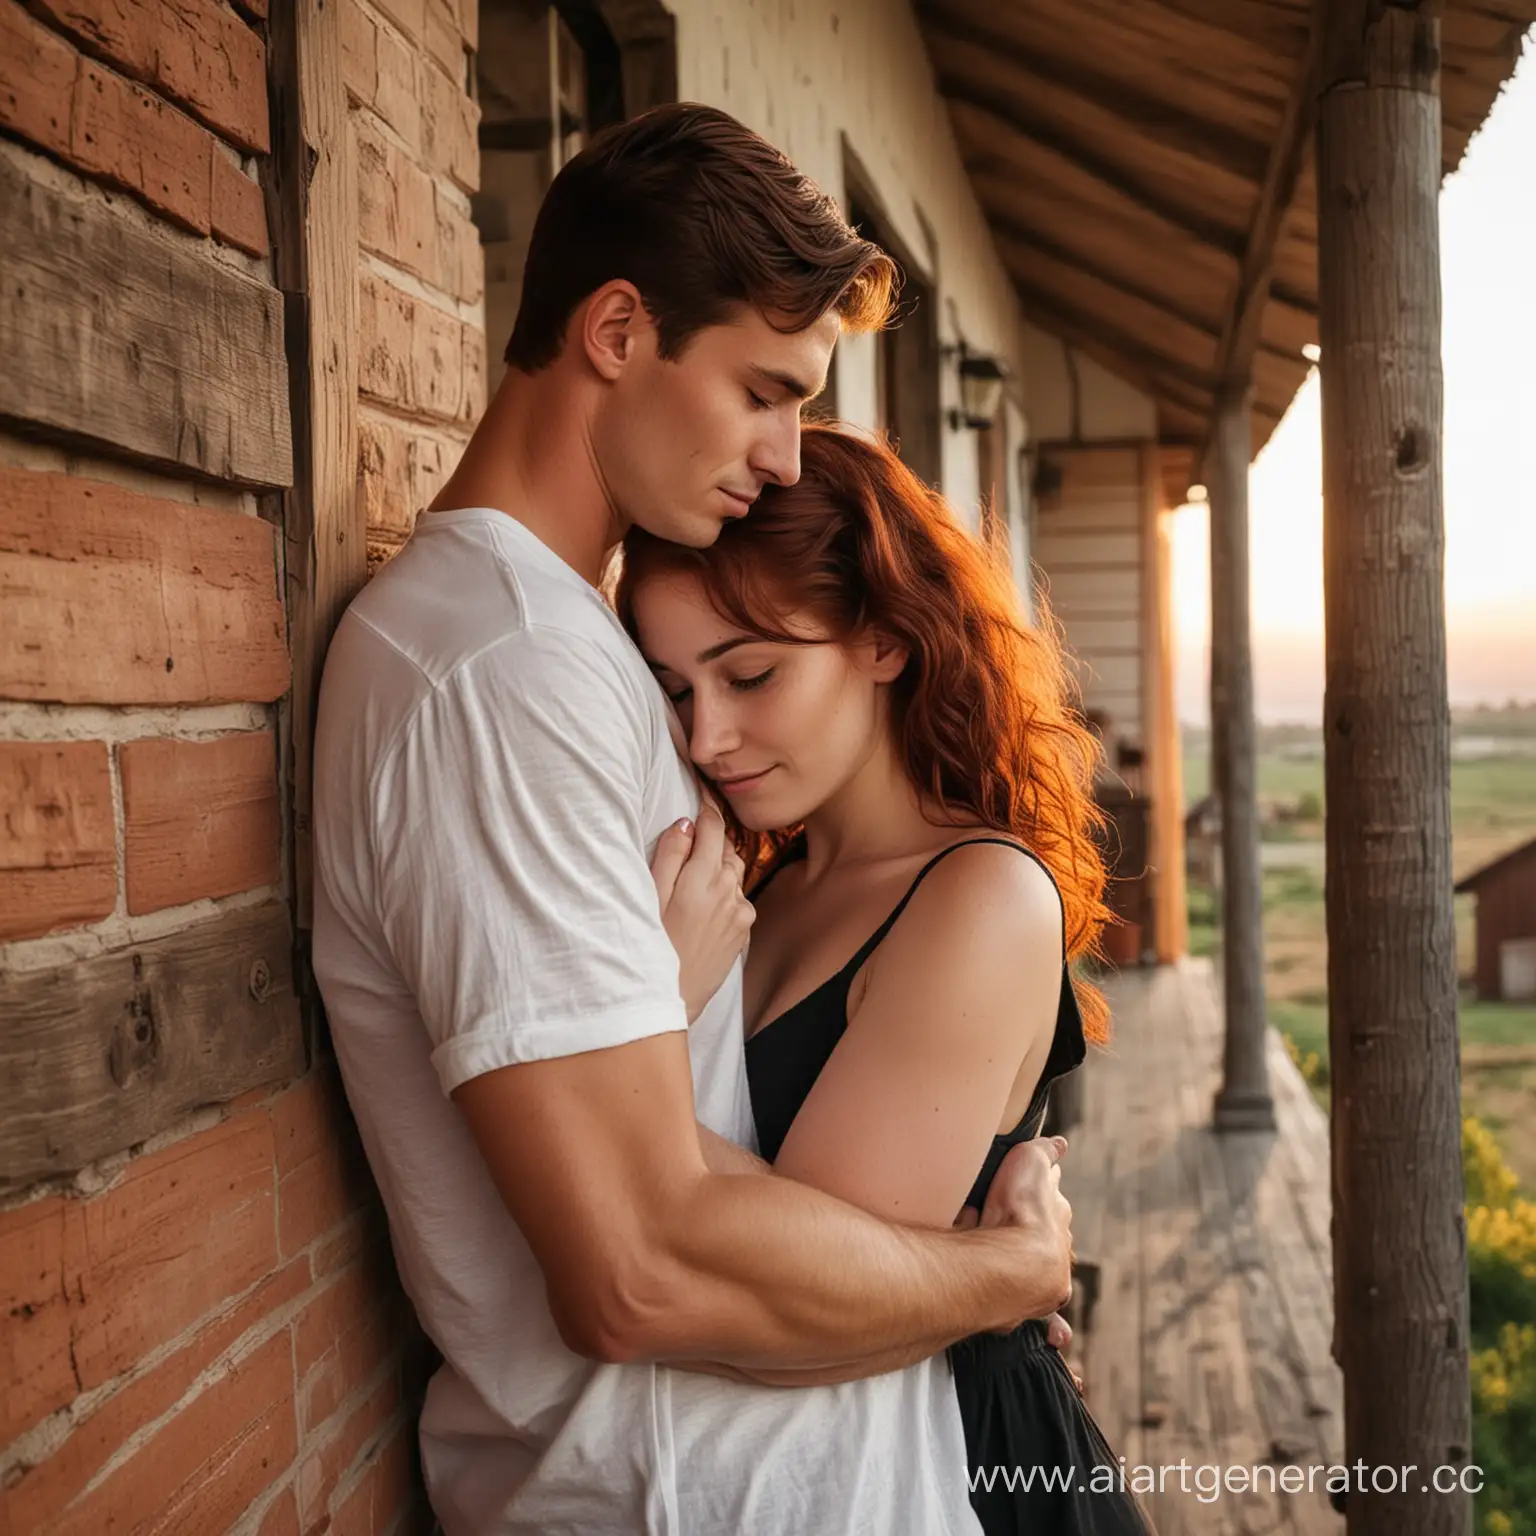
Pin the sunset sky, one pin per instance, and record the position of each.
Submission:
(1488, 258)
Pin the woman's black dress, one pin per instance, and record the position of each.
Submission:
(1023, 1416)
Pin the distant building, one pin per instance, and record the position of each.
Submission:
(1506, 923)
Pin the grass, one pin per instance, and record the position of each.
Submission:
(1493, 808)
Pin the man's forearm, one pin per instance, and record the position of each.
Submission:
(775, 1277)
(722, 1156)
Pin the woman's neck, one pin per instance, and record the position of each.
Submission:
(877, 817)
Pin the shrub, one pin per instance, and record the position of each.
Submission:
(1501, 1264)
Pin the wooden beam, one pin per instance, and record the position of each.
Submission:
(1159, 376)
(312, 207)
(1278, 29)
(102, 1053)
(1243, 1102)
(982, 63)
(1029, 247)
(1400, 1277)
(1245, 315)
(995, 133)
(139, 342)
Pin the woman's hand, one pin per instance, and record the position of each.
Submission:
(698, 880)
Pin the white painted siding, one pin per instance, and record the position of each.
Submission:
(1090, 552)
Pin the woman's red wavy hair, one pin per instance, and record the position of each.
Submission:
(982, 714)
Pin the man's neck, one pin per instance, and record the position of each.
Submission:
(531, 458)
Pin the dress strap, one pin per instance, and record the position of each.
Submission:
(873, 941)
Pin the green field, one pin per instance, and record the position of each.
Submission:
(1493, 808)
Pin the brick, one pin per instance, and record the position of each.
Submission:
(317, 1197)
(396, 203)
(385, 1491)
(377, 205)
(386, 320)
(383, 478)
(361, 1289)
(450, 124)
(58, 852)
(322, 1172)
(430, 459)
(200, 818)
(327, 1462)
(196, 52)
(184, 1230)
(406, 14)
(130, 137)
(360, 1232)
(395, 98)
(442, 38)
(417, 249)
(473, 341)
(113, 597)
(359, 53)
(348, 1334)
(282, 1516)
(209, 1463)
(39, 1374)
(237, 211)
(37, 80)
(437, 362)
(460, 256)
(400, 469)
(43, 1491)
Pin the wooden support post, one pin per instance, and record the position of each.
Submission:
(1243, 1102)
(1165, 776)
(312, 208)
(1400, 1268)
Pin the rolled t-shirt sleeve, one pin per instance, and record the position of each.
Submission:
(513, 883)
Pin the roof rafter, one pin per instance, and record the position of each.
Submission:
(1018, 233)
(1245, 315)
(1005, 127)
(960, 46)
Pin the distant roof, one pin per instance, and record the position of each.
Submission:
(1476, 878)
(1141, 164)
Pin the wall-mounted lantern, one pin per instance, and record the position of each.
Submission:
(981, 389)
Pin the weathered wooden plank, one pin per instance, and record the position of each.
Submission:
(1100, 1176)
(100, 1054)
(119, 336)
(160, 602)
(1210, 1281)
(312, 197)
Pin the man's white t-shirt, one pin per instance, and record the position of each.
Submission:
(493, 766)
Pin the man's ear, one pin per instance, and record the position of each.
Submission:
(612, 321)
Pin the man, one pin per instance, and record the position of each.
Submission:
(551, 1095)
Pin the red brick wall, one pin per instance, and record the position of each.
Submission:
(422, 272)
(202, 1332)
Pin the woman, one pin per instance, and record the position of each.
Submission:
(907, 786)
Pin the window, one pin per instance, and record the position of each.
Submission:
(906, 356)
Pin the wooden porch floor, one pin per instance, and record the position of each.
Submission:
(1208, 1341)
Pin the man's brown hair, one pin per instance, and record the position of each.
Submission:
(702, 216)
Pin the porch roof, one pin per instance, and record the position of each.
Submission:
(1146, 166)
